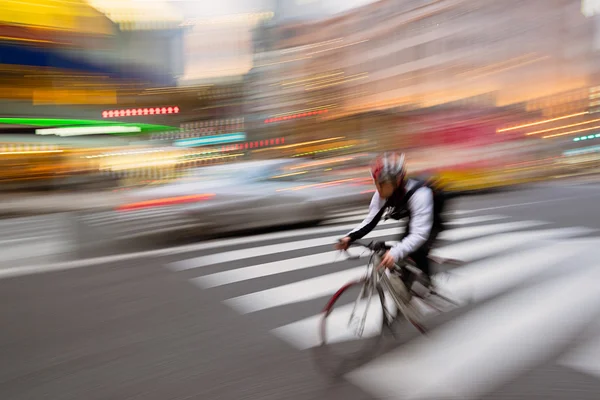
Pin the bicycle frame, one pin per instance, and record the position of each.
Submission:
(375, 277)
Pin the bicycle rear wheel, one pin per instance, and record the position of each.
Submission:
(344, 344)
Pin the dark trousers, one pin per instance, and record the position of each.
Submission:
(421, 255)
(421, 259)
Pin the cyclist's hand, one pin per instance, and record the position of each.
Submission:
(388, 261)
(343, 244)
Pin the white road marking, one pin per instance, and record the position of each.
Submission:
(243, 254)
(486, 246)
(530, 203)
(89, 262)
(478, 282)
(459, 221)
(267, 269)
(295, 292)
(475, 220)
(462, 251)
(233, 255)
(486, 278)
(480, 351)
(476, 231)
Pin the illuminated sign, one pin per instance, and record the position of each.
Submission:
(209, 140)
(88, 130)
(61, 122)
(587, 137)
(132, 112)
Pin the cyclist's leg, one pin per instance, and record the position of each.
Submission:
(421, 259)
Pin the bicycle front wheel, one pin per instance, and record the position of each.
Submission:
(352, 326)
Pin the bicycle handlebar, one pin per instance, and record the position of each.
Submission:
(374, 246)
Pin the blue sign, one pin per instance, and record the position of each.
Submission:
(210, 140)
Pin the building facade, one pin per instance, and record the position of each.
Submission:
(394, 57)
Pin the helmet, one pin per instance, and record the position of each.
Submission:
(389, 167)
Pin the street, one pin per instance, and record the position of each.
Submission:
(236, 318)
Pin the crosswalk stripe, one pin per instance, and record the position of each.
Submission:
(489, 245)
(475, 231)
(294, 292)
(267, 269)
(505, 337)
(486, 278)
(460, 221)
(242, 254)
(475, 220)
(463, 251)
(473, 282)
(217, 258)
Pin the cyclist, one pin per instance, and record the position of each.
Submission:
(399, 197)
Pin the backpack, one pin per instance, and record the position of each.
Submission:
(440, 200)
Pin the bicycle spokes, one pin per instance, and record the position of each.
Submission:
(355, 323)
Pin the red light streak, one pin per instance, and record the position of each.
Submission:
(165, 202)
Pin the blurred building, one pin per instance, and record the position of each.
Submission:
(419, 66)
(74, 59)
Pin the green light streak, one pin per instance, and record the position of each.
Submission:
(61, 122)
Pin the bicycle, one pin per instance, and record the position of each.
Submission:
(376, 281)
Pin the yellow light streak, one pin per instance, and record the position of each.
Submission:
(541, 122)
(570, 132)
(561, 127)
(290, 174)
(319, 163)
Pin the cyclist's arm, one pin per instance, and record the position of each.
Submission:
(421, 221)
(376, 210)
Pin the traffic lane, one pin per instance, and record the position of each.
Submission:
(560, 203)
(540, 202)
(136, 331)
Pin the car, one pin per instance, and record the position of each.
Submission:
(239, 197)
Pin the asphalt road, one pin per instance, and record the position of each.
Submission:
(234, 319)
